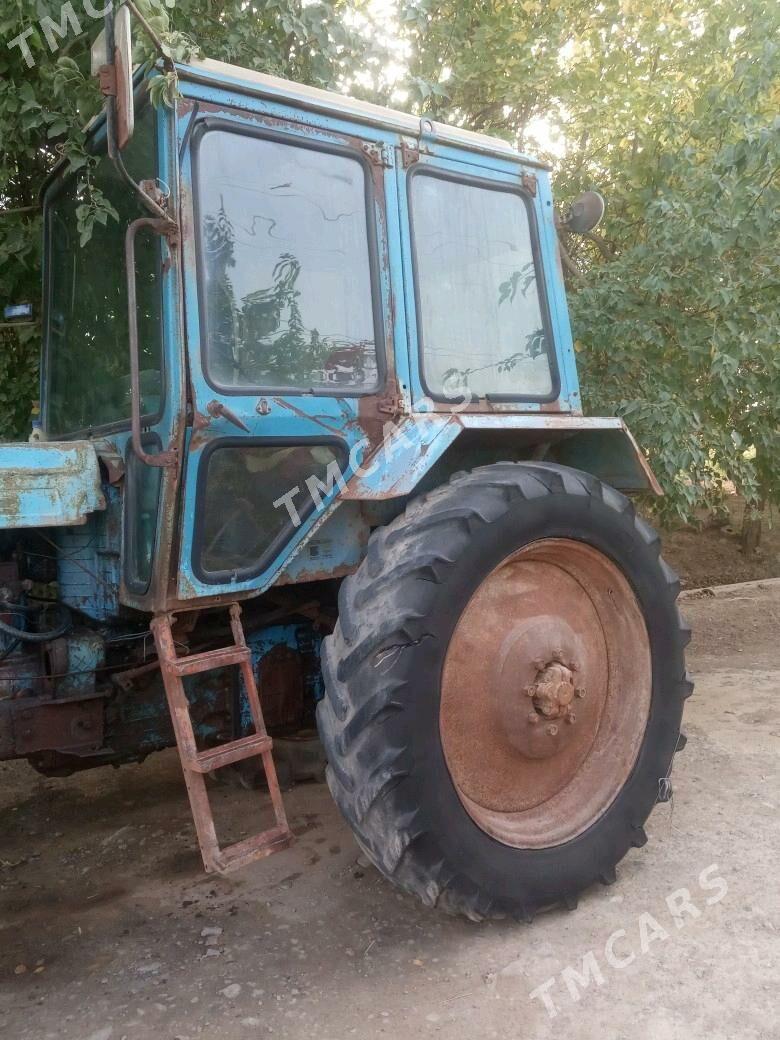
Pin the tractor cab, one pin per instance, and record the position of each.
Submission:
(342, 298)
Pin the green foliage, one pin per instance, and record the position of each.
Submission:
(18, 378)
(671, 111)
(43, 110)
(313, 43)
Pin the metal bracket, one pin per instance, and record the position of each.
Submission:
(218, 410)
(391, 402)
(529, 182)
(379, 154)
(410, 154)
(107, 80)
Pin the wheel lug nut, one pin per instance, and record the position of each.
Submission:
(571, 717)
(533, 718)
(530, 691)
(580, 691)
(558, 652)
(552, 730)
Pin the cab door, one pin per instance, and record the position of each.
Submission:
(290, 337)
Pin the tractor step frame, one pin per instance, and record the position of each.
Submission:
(195, 764)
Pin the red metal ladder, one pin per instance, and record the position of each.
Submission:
(197, 763)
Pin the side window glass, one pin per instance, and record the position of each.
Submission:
(253, 497)
(86, 372)
(286, 279)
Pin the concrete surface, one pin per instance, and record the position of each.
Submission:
(109, 930)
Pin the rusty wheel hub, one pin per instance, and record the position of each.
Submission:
(551, 697)
(545, 693)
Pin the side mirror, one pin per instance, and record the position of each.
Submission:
(114, 68)
(584, 214)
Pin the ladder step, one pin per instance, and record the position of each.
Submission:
(257, 847)
(194, 763)
(209, 660)
(225, 754)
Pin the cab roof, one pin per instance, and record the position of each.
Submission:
(258, 84)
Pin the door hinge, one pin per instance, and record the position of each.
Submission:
(391, 402)
(529, 183)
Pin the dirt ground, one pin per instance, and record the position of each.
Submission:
(109, 929)
(712, 556)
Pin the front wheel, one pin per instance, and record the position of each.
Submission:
(504, 689)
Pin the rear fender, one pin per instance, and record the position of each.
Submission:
(421, 452)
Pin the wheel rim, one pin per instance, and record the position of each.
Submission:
(545, 695)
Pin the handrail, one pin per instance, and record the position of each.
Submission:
(161, 227)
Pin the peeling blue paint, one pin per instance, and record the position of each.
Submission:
(48, 484)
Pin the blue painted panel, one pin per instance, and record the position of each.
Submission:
(48, 484)
(335, 547)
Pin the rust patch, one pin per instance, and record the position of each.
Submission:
(376, 411)
(73, 726)
(280, 677)
(529, 182)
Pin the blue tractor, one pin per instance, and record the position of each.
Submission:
(311, 445)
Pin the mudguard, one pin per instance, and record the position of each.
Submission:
(601, 446)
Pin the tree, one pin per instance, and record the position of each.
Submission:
(671, 110)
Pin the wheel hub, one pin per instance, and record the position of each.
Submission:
(549, 715)
(552, 693)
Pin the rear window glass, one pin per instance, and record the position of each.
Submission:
(480, 315)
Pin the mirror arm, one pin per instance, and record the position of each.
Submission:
(168, 229)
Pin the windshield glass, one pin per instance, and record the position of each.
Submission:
(87, 365)
(286, 272)
(480, 313)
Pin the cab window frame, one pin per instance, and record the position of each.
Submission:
(457, 177)
(202, 128)
(305, 512)
(56, 183)
(135, 468)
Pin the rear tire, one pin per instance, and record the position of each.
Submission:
(408, 692)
